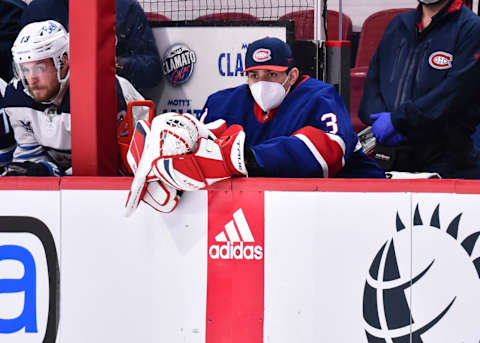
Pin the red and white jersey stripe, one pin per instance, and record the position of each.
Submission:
(328, 149)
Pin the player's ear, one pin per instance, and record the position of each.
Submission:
(65, 65)
(294, 73)
(66, 61)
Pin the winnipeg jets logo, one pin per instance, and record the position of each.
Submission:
(235, 244)
(27, 126)
(51, 27)
(440, 60)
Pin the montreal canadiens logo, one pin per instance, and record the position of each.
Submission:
(440, 60)
(423, 282)
(178, 64)
(262, 55)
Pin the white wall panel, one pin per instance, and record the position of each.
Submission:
(137, 279)
(318, 251)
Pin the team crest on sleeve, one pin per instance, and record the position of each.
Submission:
(262, 55)
(440, 60)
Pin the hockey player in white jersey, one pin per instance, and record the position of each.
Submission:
(37, 103)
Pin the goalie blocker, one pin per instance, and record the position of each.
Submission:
(212, 161)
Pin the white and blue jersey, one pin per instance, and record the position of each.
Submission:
(42, 131)
(309, 135)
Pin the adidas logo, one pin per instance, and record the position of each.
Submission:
(238, 241)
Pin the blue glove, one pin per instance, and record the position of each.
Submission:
(383, 130)
(396, 139)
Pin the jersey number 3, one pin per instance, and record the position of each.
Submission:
(331, 121)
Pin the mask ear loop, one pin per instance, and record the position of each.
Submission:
(284, 82)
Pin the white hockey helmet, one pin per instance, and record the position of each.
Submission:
(38, 41)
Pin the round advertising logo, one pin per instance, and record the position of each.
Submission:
(424, 284)
(178, 64)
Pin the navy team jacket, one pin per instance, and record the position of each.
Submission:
(429, 80)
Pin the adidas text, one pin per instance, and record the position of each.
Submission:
(238, 251)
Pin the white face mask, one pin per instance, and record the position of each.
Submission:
(268, 95)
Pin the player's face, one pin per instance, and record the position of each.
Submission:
(266, 75)
(273, 76)
(41, 77)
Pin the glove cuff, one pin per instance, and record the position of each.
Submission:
(232, 147)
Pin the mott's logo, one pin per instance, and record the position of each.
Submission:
(28, 281)
(236, 241)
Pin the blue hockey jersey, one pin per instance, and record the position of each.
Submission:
(309, 135)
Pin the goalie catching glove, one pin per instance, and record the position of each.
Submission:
(169, 134)
(212, 161)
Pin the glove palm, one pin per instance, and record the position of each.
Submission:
(384, 131)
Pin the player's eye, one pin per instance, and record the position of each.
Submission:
(273, 75)
(40, 68)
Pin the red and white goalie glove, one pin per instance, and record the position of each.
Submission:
(169, 134)
(212, 161)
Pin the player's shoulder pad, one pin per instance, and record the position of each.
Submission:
(224, 94)
(229, 91)
(313, 86)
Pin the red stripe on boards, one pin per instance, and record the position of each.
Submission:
(235, 272)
